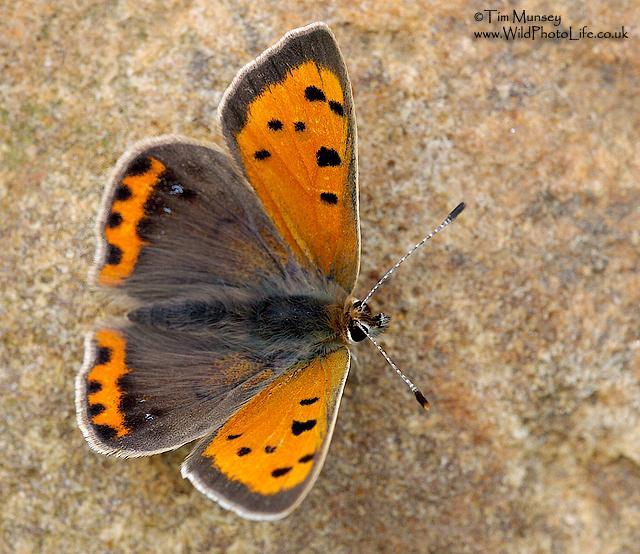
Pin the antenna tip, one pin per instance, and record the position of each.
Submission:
(456, 211)
(422, 400)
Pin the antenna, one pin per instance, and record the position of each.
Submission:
(452, 215)
(415, 390)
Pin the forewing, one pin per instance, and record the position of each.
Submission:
(176, 216)
(265, 458)
(289, 121)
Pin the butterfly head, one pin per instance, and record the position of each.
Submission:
(361, 321)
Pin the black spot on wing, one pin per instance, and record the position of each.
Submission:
(308, 401)
(94, 386)
(336, 107)
(281, 471)
(96, 409)
(299, 126)
(234, 437)
(261, 154)
(275, 125)
(327, 157)
(123, 192)
(269, 449)
(114, 220)
(329, 198)
(114, 254)
(314, 94)
(105, 432)
(299, 427)
(306, 458)
(104, 355)
(244, 451)
(140, 165)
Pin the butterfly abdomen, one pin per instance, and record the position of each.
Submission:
(190, 314)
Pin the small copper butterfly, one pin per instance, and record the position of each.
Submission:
(239, 267)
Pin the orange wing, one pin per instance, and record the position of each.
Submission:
(288, 119)
(265, 458)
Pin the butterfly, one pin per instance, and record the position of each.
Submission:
(238, 267)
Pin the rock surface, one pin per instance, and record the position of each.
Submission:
(521, 321)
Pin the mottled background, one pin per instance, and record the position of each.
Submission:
(521, 321)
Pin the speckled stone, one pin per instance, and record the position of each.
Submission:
(521, 321)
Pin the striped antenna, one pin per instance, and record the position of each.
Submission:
(415, 390)
(454, 213)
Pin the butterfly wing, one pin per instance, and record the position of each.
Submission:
(183, 235)
(144, 390)
(175, 216)
(265, 458)
(289, 122)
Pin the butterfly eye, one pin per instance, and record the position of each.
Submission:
(357, 331)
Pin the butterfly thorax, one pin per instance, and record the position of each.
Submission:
(318, 324)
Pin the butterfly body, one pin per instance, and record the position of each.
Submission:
(239, 265)
(275, 326)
